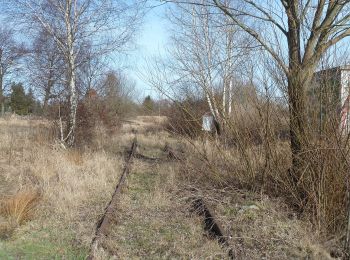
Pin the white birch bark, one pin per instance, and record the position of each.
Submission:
(74, 24)
(203, 61)
(209, 65)
(73, 99)
(228, 66)
(230, 94)
(1, 85)
(224, 97)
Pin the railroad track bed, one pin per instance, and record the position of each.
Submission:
(147, 218)
(162, 209)
(162, 214)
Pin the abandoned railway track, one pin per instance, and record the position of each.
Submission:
(210, 225)
(105, 222)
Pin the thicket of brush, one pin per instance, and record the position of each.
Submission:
(185, 118)
(253, 152)
(93, 112)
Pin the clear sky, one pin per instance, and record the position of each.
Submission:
(151, 41)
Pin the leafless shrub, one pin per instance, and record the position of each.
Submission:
(253, 154)
(186, 118)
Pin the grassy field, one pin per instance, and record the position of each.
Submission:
(71, 189)
(52, 198)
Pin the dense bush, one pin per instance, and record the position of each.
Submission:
(185, 118)
(254, 153)
(92, 112)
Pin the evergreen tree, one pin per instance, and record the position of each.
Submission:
(148, 104)
(31, 102)
(19, 99)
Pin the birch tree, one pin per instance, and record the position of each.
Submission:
(106, 25)
(206, 52)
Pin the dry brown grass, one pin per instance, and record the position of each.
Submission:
(75, 185)
(258, 226)
(75, 156)
(152, 119)
(20, 207)
(153, 220)
(16, 210)
(154, 223)
(250, 156)
(151, 125)
(252, 204)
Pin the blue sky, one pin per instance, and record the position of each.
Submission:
(151, 41)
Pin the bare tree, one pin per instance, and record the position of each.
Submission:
(105, 25)
(206, 52)
(91, 71)
(296, 34)
(117, 86)
(45, 67)
(10, 54)
(307, 29)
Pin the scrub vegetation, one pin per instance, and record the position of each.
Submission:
(242, 141)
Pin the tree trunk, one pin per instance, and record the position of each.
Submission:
(73, 104)
(299, 132)
(297, 82)
(210, 105)
(230, 89)
(46, 103)
(2, 99)
(48, 89)
(224, 98)
(71, 58)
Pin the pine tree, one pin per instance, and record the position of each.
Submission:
(19, 99)
(31, 103)
(148, 104)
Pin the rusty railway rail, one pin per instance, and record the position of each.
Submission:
(105, 222)
(211, 225)
(169, 155)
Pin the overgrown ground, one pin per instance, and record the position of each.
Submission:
(72, 188)
(62, 194)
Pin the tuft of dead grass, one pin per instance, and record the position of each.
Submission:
(20, 207)
(17, 210)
